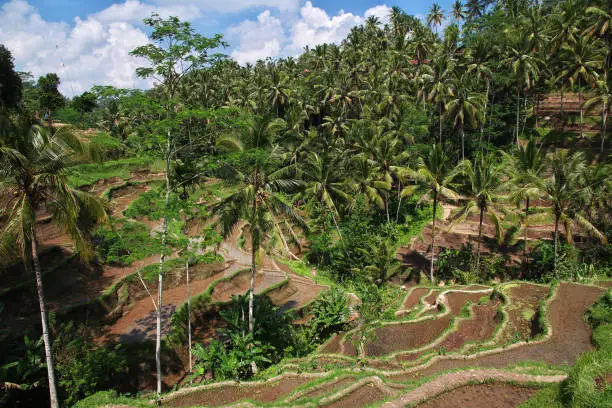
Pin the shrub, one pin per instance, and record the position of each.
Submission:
(125, 244)
(83, 368)
(330, 313)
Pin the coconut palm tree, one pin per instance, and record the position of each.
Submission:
(565, 190)
(526, 67)
(481, 190)
(480, 55)
(433, 174)
(435, 16)
(256, 199)
(587, 59)
(32, 170)
(526, 165)
(458, 11)
(603, 96)
(383, 263)
(324, 183)
(366, 179)
(464, 107)
(439, 82)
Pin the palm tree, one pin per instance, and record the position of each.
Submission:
(603, 96)
(324, 183)
(464, 107)
(526, 68)
(480, 55)
(526, 165)
(440, 85)
(587, 60)
(366, 180)
(434, 175)
(474, 9)
(458, 12)
(435, 16)
(256, 200)
(383, 263)
(564, 189)
(482, 188)
(32, 165)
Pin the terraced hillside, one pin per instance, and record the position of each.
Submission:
(490, 346)
(117, 295)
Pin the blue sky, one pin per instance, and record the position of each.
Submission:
(88, 42)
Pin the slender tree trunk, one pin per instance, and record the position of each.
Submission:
(188, 316)
(484, 117)
(160, 276)
(44, 322)
(556, 241)
(518, 105)
(537, 116)
(336, 224)
(440, 111)
(479, 238)
(254, 249)
(433, 236)
(562, 94)
(604, 126)
(387, 206)
(399, 201)
(462, 143)
(580, 104)
(525, 239)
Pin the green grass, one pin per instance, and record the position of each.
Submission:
(105, 142)
(527, 313)
(547, 397)
(84, 174)
(303, 269)
(110, 398)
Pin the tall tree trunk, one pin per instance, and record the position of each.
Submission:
(160, 276)
(484, 116)
(525, 238)
(580, 104)
(252, 287)
(556, 241)
(604, 126)
(440, 112)
(433, 236)
(387, 206)
(399, 200)
(479, 238)
(562, 93)
(188, 315)
(44, 322)
(518, 107)
(462, 143)
(537, 110)
(254, 249)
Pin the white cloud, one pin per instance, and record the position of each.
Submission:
(134, 11)
(94, 51)
(265, 37)
(382, 12)
(256, 39)
(232, 6)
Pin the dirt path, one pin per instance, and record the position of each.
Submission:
(230, 392)
(445, 382)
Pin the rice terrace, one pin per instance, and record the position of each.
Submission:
(326, 204)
